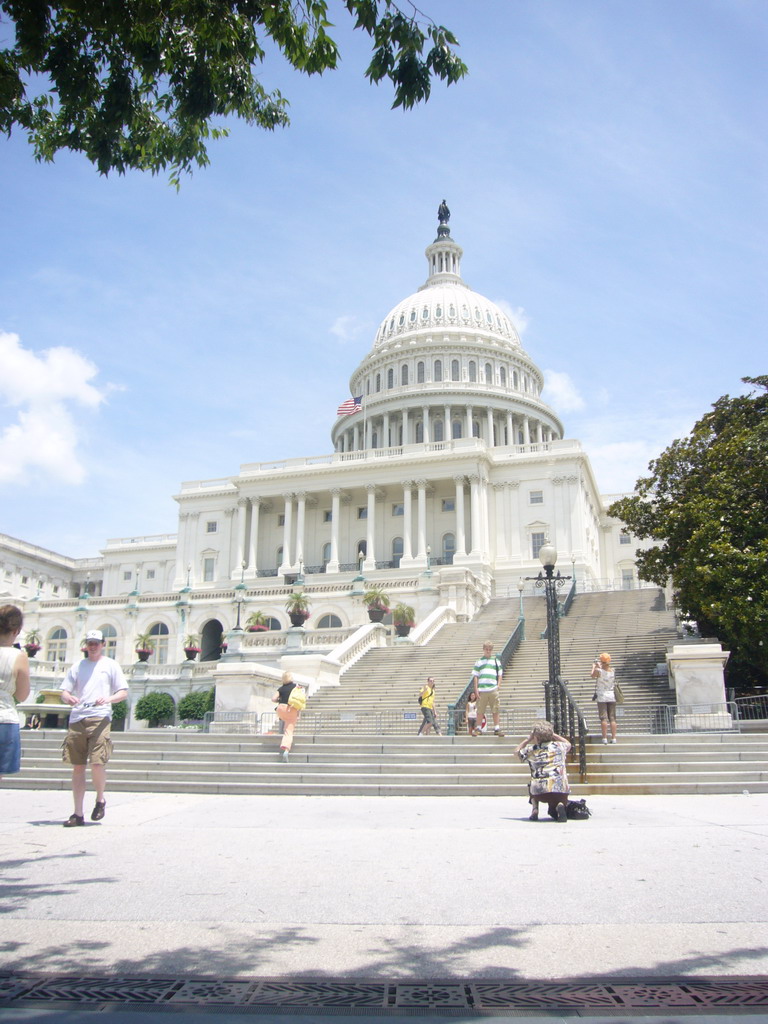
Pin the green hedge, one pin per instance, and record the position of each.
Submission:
(154, 707)
(194, 705)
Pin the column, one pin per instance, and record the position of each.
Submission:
(421, 553)
(510, 429)
(181, 549)
(242, 512)
(447, 423)
(333, 564)
(356, 438)
(385, 431)
(425, 424)
(489, 419)
(231, 540)
(500, 526)
(370, 557)
(539, 434)
(474, 515)
(468, 421)
(285, 565)
(515, 536)
(302, 504)
(526, 430)
(253, 539)
(461, 541)
(407, 522)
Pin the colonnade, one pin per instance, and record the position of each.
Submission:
(433, 424)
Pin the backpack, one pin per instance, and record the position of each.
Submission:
(297, 698)
(577, 810)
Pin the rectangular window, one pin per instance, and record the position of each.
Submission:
(25, 579)
(362, 512)
(209, 565)
(281, 519)
(127, 574)
(211, 527)
(56, 589)
(536, 497)
(624, 538)
(398, 509)
(449, 505)
(150, 574)
(538, 540)
(328, 516)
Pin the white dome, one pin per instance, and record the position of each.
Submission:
(447, 306)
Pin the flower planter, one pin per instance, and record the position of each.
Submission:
(376, 614)
(31, 649)
(256, 629)
(297, 618)
(402, 629)
(143, 655)
(191, 653)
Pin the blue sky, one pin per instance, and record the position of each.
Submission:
(605, 165)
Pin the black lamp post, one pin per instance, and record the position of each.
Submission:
(551, 582)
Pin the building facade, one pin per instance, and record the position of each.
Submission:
(442, 484)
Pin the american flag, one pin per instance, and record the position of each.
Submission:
(351, 405)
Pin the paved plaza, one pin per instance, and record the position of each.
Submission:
(191, 887)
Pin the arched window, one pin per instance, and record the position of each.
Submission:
(404, 375)
(375, 439)
(488, 373)
(438, 374)
(475, 429)
(419, 432)
(326, 553)
(56, 645)
(456, 429)
(329, 621)
(159, 634)
(449, 548)
(455, 369)
(419, 373)
(502, 377)
(390, 378)
(472, 370)
(273, 623)
(515, 380)
(378, 382)
(110, 640)
(437, 430)
(397, 552)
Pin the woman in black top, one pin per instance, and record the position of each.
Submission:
(288, 716)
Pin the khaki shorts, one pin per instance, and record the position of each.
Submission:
(88, 740)
(487, 700)
(607, 710)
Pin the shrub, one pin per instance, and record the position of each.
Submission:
(119, 710)
(154, 707)
(194, 705)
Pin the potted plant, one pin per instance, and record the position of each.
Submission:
(223, 643)
(404, 618)
(377, 603)
(32, 642)
(297, 607)
(257, 622)
(191, 648)
(144, 646)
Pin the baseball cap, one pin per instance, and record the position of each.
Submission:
(94, 634)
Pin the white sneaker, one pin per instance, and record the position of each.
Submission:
(613, 740)
(605, 743)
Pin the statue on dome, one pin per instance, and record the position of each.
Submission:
(443, 213)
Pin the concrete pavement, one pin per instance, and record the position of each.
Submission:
(325, 887)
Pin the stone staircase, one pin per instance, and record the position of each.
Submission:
(167, 761)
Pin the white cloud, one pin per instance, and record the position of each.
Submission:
(516, 314)
(561, 393)
(43, 391)
(347, 328)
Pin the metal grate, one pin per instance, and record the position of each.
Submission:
(616, 995)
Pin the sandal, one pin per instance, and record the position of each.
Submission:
(74, 820)
(99, 810)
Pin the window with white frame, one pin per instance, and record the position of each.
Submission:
(150, 574)
(448, 504)
(327, 515)
(538, 540)
(449, 548)
(398, 509)
(624, 538)
(110, 640)
(209, 569)
(159, 633)
(329, 621)
(127, 575)
(362, 512)
(56, 645)
(536, 497)
(397, 551)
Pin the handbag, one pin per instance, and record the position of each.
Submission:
(297, 698)
(618, 693)
(577, 810)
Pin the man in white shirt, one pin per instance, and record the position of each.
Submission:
(91, 687)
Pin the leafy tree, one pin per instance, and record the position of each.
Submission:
(153, 707)
(137, 83)
(706, 503)
(194, 705)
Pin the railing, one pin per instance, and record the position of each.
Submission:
(457, 710)
(751, 709)
(356, 720)
(566, 718)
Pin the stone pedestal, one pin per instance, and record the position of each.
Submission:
(696, 673)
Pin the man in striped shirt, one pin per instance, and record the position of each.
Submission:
(487, 678)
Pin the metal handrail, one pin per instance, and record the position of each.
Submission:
(567, 719)
(457, 709)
